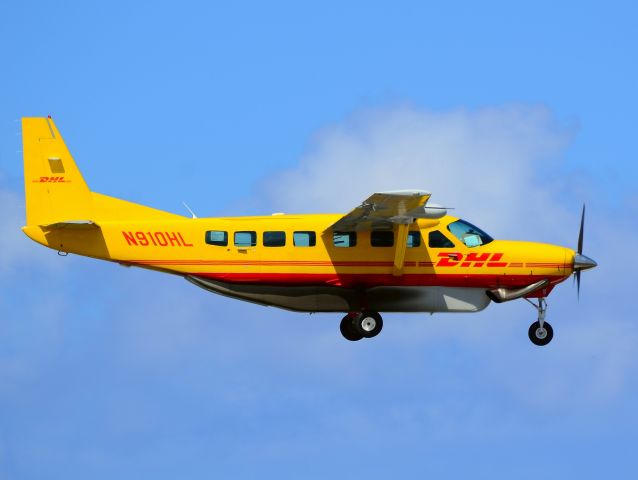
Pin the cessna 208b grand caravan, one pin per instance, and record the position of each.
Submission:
(393, 253)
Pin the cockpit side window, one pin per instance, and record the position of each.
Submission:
(470, 235)
(437, 240)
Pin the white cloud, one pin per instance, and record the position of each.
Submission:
(17, 249)
(14, 246)
(502, 168)
(511, 158)
(499, 167)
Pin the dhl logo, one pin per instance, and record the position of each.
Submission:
(51, 180)
(475, 260)
(156, 239)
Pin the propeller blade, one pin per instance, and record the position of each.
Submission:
(578, 284)
(581, 262)
(582, 227)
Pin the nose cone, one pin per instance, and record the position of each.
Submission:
(581, 262)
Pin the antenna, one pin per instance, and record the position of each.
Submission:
(189, 209)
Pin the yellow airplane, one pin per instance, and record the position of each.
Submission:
(393, 253)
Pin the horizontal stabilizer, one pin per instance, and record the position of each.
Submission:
(71, 224)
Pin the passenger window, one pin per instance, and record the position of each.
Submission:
(414, 239)
(304, 239)
(245, 239)
(274, 239)
(382, 238)
(437, 240)
(344, 239)
(217, 237)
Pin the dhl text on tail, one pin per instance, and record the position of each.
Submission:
(396, 252)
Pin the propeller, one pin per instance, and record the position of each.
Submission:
(581, 262)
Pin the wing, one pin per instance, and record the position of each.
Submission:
(384, 209)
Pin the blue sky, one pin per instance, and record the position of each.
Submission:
(513, 114)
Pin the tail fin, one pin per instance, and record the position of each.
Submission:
(62, 213)
(54, 187)
(56, 193)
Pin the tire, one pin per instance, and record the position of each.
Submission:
(347, 329)
(536, 335)
(368, 324)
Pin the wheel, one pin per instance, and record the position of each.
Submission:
(368, 324)
(347, 329)
(540, 336)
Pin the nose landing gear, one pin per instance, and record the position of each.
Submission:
(357, 325)
(540, 332)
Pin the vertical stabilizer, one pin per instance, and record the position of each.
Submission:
(54, 187)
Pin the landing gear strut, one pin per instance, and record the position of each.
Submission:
(357, 325)
(540, 332)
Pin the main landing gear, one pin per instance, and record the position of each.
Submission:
(357, 325)
(540, 332)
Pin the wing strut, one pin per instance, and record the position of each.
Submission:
(400, 248)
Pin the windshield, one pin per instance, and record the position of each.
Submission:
(470, 235)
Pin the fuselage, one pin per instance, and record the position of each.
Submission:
(282, 252)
